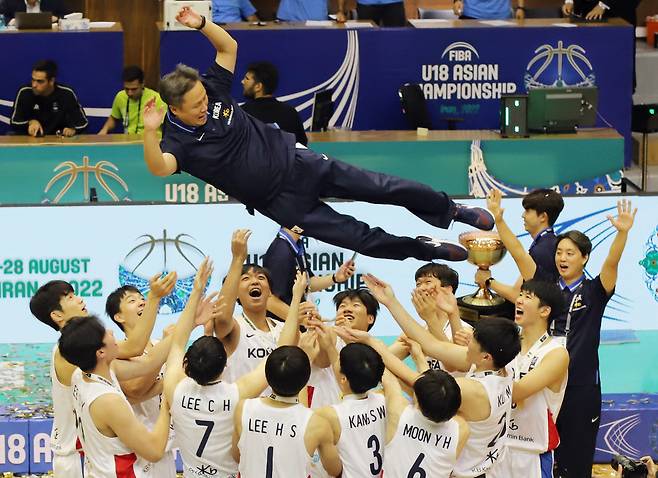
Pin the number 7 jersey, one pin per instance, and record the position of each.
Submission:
(203, 420)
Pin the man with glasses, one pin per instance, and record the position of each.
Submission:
(47, 107)
(128, 105)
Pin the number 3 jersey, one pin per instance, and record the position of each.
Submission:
(272, 441)
(203, 420)
(486, 442)
(362, 435)
(421, 447)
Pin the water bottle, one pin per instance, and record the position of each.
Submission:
(2, 22)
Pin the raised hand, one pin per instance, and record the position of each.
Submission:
(625, 216)
(239, 243)
(345, 271)
(463, 337)
(415, 350)
(153, 116)
(188, 17)
(379, 289)
(203, 274)
(326, 334)
(308, 311)
(204, 311)
(494, 200)
(425, 305)
(161, 286)
(352, 335)
(308, 342)
(300, 285)
(446, 301)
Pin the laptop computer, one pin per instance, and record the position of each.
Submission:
(34, 21)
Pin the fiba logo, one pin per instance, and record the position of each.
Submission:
(155, 255)
(559, 66)
(460, 51)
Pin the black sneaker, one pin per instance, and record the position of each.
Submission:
(446, 250)
(474, 216)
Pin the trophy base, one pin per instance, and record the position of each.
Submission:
(473, 312)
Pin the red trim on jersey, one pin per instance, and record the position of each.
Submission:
(78, 447)
(310, 389)
(123, 464)
(553, 435)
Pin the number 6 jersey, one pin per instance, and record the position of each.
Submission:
(421, 448)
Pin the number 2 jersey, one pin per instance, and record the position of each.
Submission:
(362, 435)
(203, 420)
(421, 447)
(486, 442)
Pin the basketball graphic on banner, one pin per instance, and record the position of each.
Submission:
(153, 255)
(559, 66)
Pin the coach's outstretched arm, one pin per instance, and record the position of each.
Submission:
(165, 164)
(226, 46)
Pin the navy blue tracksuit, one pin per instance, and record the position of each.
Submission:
(261, 167)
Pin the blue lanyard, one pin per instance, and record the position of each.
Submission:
(298, 249)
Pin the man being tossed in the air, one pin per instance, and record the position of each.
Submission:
(207, 135)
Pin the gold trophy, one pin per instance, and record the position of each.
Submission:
(485, 249)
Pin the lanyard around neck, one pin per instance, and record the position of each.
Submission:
(297, 247)
(126, 118)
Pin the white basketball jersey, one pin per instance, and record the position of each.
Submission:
(529, 425)
(486, 443)
(435, 364)
(203, 419)
(63, 435)
(272, 441)
(421, 447)
(147, 412)
(253, 346)
(322, 387)
(362, 435)
(105, 456)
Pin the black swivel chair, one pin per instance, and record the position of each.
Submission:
(414, 107)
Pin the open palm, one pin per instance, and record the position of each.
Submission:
(625, 216)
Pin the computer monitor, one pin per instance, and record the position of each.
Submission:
(561, 110)
(323, 109)
(34, 21)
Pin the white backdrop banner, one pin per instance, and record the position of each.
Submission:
(98, 248)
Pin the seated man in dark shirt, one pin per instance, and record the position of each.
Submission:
(207, 134)
(46, 107)
(259, 83)
(8, 8)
